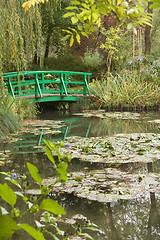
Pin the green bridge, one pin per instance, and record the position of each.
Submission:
(45, 86)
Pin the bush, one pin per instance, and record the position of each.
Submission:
(63, 62)
(92, 59)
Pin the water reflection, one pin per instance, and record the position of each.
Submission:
(120, 220)
(80, 126)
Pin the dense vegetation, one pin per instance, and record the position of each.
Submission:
(119, 47)
(115, 40)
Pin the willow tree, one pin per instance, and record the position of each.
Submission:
(20, 35)
(53, 23)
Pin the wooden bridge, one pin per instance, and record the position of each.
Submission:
(45, 86)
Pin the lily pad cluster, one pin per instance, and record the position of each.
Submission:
(107, 185)
(3, 158)
(156, 121)
(103, 114)
(121, 148)
(111, 184)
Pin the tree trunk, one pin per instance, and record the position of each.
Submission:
(147, 33)
(47, 45)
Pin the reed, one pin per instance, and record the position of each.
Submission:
(126, 92)
(8, 123)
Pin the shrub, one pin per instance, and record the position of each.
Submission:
(92, 59)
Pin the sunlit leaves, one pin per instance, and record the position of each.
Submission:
(74, 20)
(69, 14)
(90, 13)
(7, 227)
(36, 234)
(7, 194)
(28, 4)
(52, 206)
(34, 173)
(62, 171)
(155, 4)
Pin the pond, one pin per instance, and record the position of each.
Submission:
(123, 148)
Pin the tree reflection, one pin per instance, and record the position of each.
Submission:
(114, 231)
(154, 216)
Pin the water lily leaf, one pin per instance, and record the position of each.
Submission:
(125, 151)
(107, 185)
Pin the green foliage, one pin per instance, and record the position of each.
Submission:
(20, 37)
(12, 111)
(11, 197)
(88, 15)
(25, 109)
(92, 59)
(9, 122)
(126, 92)
(150, 69)
(7, 194)
(52, 206)
(9, 219)
(62, 62)
(112, 37)
(7, 227)
(34, 173)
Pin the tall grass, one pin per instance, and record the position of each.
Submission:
(13, 111)
(126, 92)
(8, 123)
(25, 109)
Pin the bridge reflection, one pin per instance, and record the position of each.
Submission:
(33, 142)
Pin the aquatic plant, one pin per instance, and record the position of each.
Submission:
(10, 219)
(128, 91)
(8, 123)
(12, 111)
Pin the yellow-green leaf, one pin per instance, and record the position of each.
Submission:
(74, 20)
(34, 173)
(78, 38)
(69, 14)
(7, 194)
(75, 2)
(36, 234)
(7, 227)
(52, 206)
(71, 40)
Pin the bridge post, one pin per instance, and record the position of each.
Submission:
(43, 85)
(36, 87)
(65, 80)
(10, 88)
(84, 85)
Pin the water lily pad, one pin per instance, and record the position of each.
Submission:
(121, 148)
(108, 185)
(103, 114)
(155, 121)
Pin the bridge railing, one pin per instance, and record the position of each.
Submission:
(39, 83)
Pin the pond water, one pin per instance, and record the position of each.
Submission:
(120, 219)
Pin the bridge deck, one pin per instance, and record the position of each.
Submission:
(43, 86)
